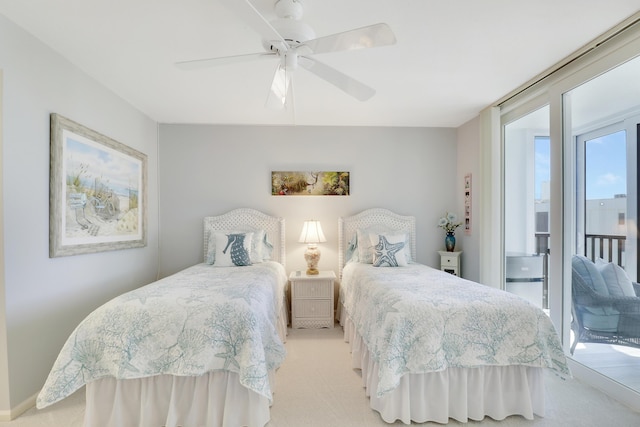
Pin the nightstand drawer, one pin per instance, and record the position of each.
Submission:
(314, 289)
(306, 308)
(449, 261)
(312, 300)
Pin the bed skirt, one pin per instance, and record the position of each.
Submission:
(215, 399)
(457, 393)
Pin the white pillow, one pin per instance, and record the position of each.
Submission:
(257, 252)
(388, 249)
(365, 249)
(232, 249)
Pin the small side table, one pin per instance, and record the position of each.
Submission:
(450, 262)
(312, 299)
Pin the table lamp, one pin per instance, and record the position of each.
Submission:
(312, 235)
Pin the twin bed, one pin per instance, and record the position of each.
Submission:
(432, 346)
(201, 347)
(198, 348)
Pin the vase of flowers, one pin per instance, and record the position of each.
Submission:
(449, 223)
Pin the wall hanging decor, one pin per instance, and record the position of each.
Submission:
(97, 192)
(310, 183)
(467, 203)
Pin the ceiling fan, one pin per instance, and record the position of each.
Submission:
(293, 42)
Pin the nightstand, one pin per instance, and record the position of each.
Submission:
(450, 262)
(312, 299)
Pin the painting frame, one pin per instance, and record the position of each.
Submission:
(91, 209)
(310, 183)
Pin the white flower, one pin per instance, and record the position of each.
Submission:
(449, 222)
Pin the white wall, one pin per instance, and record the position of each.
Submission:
(44, 299)
(208, 170)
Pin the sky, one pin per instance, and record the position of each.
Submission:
(605, 166)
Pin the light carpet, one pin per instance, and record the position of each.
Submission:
(316, 387)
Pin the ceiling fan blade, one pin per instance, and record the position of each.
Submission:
(358, 90)
(360, 38)
(224, 60)
(277, 97)
(250, 15)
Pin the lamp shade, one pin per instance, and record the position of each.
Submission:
(312, 232)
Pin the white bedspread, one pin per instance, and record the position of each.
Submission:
(199, 320)
(417, 319)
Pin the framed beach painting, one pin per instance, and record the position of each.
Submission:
(310, 183)
(97, 194)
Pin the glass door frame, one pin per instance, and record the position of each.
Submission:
(551, 90)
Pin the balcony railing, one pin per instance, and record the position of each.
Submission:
(610, 248)
(606, 246)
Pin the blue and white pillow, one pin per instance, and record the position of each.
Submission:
(266, 247)
(351, 254)
(232, 249)
(365, 249)
(615, 277)
(261, 248)
(389, 250)
(589, 273)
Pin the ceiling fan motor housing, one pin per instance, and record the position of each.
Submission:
(289, 9)
(289, 26)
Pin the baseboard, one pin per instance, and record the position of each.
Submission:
(23, 407)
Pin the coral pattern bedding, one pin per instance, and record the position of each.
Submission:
(202, 319)
(416, 319)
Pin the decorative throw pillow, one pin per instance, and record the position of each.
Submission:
(260, 247)
(351, 254)
(589, 272)
(388, 250)
(365, 251)
(615, 277)
(267, 247)
(211, 248)
(233, 249)
(257, 247)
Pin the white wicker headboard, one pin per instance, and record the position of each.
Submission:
(241, 219)
(347, 227)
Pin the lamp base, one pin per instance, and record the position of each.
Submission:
(312, 256)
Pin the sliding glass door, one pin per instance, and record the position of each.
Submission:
(601, 150)
(568, 150)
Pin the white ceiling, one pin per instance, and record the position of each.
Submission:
(452, 57)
